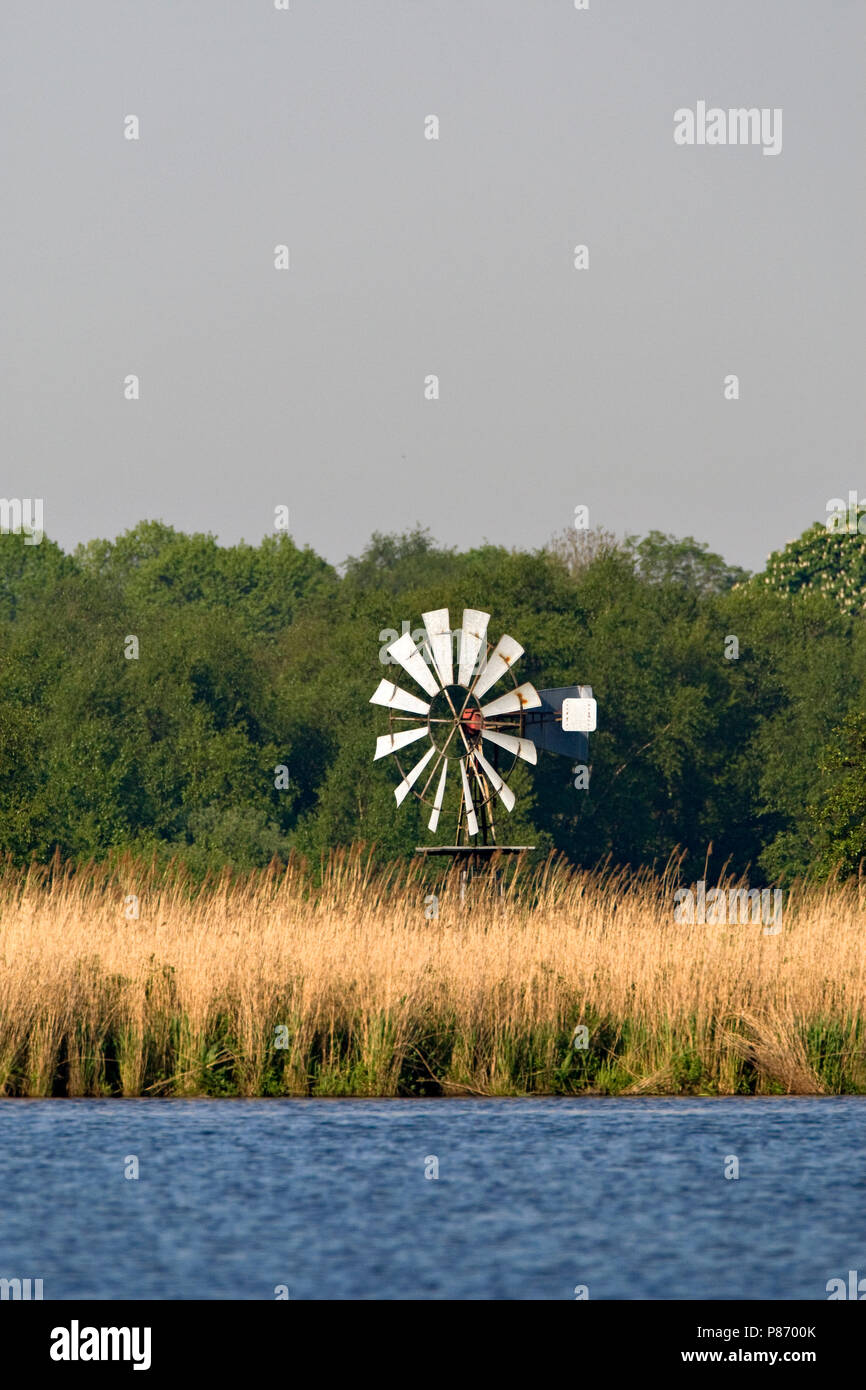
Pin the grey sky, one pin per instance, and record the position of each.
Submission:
(410, 257)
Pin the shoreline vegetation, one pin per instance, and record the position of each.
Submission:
(336, 979)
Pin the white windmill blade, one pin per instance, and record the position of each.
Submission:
(523, 747)
(524, 697)
(437, 803)
(471, 818)
(473, 635)
(411, 778)
(438, 625)
(407, 654)
(490, 772)
(389, 743)
(392, 697)
(506, 652)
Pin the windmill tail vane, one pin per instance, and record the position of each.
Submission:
(468, 727)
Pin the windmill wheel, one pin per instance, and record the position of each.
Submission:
(459, 721)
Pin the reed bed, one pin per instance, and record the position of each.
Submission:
(335, 979)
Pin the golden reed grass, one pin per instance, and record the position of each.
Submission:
(335, 981)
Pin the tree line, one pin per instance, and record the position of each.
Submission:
(237, 726)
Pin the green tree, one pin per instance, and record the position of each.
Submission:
(822, 561)
(838, 814)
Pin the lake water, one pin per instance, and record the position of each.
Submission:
(533, 1197)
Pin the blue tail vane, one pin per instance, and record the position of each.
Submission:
(544, 726)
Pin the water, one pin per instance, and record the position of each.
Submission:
(533, 1197)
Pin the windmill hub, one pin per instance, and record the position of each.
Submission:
(453, 711)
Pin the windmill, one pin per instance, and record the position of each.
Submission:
(473, 737)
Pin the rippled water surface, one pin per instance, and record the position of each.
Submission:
(533, 1197)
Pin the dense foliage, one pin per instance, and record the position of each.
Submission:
(256, 658)
(827, 560)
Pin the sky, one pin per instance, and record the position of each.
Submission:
(602, 387)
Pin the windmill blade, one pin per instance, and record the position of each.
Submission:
(505, 793)
(507, 651)
(471, 819)
(392, 697)
(408, 656)
(437, 803)
(438, 625)
(473, 635)
(523, 747)
(389, 743)
(411, 778)
(524, 697)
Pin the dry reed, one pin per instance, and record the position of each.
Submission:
(337, 982)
